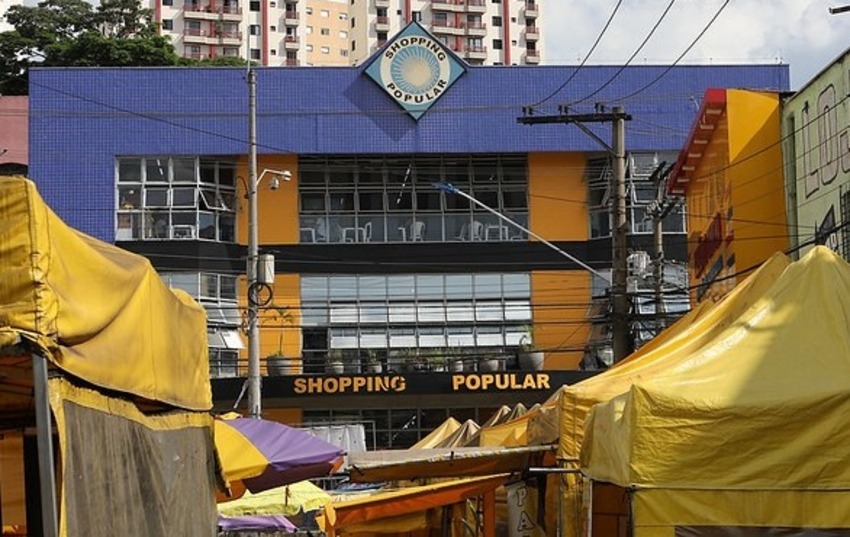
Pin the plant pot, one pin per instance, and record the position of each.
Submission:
(531, 360)
(334, 368)
(374, 367)
(277, 366)
(489, 364)
(455, 366)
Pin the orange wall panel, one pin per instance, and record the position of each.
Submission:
(557, 193)
(560, 301)
(277, 210)
(288, 416)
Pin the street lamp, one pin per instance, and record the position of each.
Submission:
(260, 274)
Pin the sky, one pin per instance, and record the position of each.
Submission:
(800, 33)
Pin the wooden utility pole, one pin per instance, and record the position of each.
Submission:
(620, 318)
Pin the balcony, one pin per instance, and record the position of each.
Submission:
(291, 42)
(404, 361)
(199, 12)
(382, 4)
(532, 33)
(382, 24)
(446, 27)
(291, 62)
(198, 36)
(291, 18)
(456, 6)
(476, 6)
(474, 52)
(477, 29)
(531, 11)
(230, 38)
(532, 57)
(230, 13)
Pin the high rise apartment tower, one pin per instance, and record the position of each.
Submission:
(347, 32)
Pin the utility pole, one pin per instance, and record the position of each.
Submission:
(620, 329)
(254, 378)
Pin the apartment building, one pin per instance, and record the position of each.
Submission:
(269, 32)
(482, 32)
(347, 32)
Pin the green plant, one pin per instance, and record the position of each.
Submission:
(280, 314)
(372, 356)
(336, 355)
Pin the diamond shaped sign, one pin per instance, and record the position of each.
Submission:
(415, 69)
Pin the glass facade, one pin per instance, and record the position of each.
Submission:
(217, 294)
(175, 198)
(640, 192)
(436, 314)
(392, 199)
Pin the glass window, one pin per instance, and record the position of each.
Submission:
(313, 202)
(183, 170)
(183, 197)
(371, 201)
(129, 170)
(156, 170)
(156, 197)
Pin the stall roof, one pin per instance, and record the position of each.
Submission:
(396, 465)
(97, 312)
(405, 501)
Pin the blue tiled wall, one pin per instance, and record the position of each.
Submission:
(81, 119)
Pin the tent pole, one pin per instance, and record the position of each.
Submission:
(590, 508)
(44, 434)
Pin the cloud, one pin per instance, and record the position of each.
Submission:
(798, 32)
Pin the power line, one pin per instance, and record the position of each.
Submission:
(586, 57)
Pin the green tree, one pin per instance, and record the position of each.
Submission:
(76, 33)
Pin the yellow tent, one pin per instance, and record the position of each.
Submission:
(446, 429)
(674, 347)
(752, 430)
(96, 311)
(129, 382)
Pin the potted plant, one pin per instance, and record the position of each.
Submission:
(373, 361)
(277, 363)
(530, 358)
(335, 364)
(489, 361)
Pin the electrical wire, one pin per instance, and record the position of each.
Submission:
(629, 61)
(677, 60)
(584, 60)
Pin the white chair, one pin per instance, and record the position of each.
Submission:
(417, 231)
(477, 231)
(367, 232)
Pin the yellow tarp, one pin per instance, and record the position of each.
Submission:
(288, 500)
(98, 312)
(767, 399)
(672, 349)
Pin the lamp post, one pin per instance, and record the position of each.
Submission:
(259, 269)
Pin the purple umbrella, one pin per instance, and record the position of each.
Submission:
(262, 454)
(256, 522)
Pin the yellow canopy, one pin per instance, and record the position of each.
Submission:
(762, 404)
(288, 500)
(446, 429)
(672, 350)
(96, 311)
